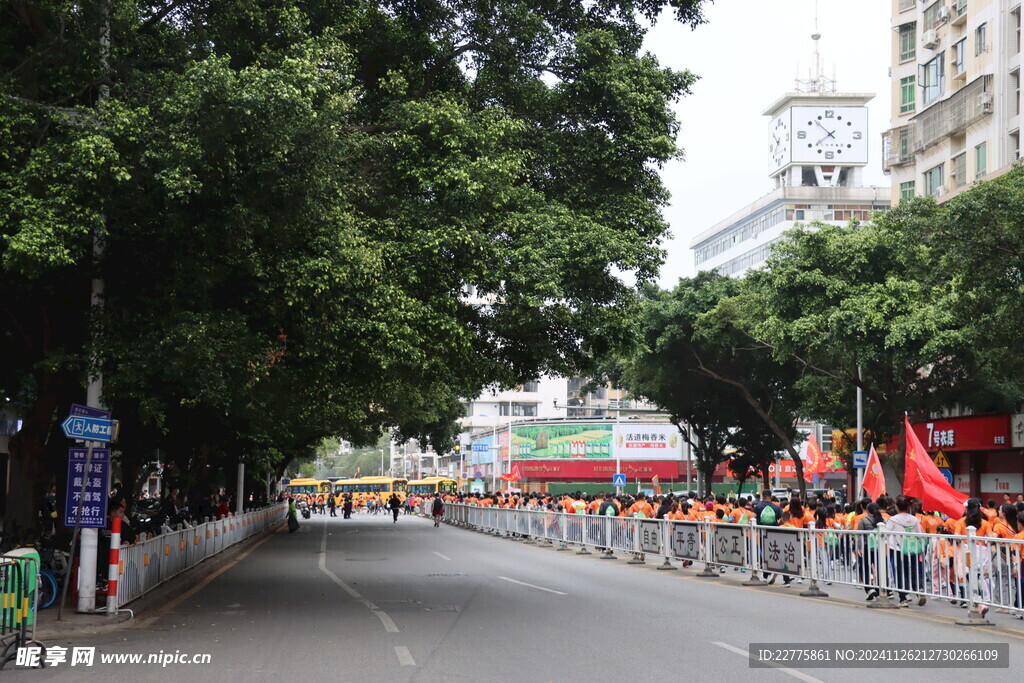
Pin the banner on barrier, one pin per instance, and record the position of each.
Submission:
(782, 551)
(686, 540)
(730, 545)
(650, 537)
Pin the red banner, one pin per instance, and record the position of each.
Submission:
(976, 433)
(576, 470)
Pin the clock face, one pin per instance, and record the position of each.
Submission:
(830, 135)
(779, 146)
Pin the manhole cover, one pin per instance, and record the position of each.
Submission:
(444, 575)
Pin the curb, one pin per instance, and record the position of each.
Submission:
(143, 605)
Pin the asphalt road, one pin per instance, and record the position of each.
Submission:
(365, 599)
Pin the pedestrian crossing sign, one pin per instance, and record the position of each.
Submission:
(618, 480)
(941, 461)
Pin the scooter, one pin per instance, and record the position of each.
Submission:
(304, 509)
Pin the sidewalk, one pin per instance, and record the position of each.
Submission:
(73, 624)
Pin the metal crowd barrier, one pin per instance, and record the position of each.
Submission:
(19, 600)
(969, 570)
(149, 563)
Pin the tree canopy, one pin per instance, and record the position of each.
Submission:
(292, 199)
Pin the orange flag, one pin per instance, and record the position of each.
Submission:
(816, 461)
(874, 480)
(923, 479)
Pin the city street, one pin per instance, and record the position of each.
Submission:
(366, 599)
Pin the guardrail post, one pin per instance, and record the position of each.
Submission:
(813, 591)
(708, 547)
(564, 526)
(666, 545)
(975, 612)
(882, 571)
(607, 554)
(755, 556)
(638, 556)
(583, 535)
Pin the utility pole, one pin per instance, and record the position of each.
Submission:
(93, 392)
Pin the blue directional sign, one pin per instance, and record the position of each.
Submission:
(96, 483)
(618, 480)
(88, 428)
(860, 459)
(480, 447)
(948, 474)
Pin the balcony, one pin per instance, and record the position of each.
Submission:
(944, 118)
(896, 148)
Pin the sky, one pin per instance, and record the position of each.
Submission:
(747, 56)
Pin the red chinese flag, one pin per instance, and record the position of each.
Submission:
(923, 479)
(816, 461)
(515, 476)
(874, 480)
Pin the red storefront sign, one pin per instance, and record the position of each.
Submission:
(601, 471)
(976, 433)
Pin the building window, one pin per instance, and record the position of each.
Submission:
(961, 8)
(531, 387)
(933, 79)
(980, 39)
(907, 94)
(980, 160)
(907, 190)
(933, 181)
(1015, 18)
(906, 4)
(1015, 144)
(908, 41)
(958, 170)
(1015, 86)
(931, 16)
(959, 56)
(519, 410)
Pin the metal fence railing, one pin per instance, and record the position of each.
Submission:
(969, 570)
(149, 563)
(18, 601)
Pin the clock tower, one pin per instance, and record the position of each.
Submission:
(818, 137)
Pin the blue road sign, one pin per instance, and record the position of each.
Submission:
(860, 459)
(96, 481)
(86, 411)
(618, 480)
(480, 448)
(88, 428)
(948, 474)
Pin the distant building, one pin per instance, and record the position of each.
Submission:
(818, 146)
(955, 95)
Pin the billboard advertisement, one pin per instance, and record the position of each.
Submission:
(597, 441)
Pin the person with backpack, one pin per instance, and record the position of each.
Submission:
(437, 510)
(868, 551)
(905, 551)
(768, 513)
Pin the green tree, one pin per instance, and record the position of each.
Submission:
(293, 198)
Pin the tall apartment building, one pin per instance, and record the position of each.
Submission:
(818, 145)
(956, 95)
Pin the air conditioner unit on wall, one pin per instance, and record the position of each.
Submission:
(940, 190)
(985, 102)
(943, 14)
(930, 39)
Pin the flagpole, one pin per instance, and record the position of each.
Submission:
(860, 433)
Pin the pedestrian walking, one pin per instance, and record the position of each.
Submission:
(437, 510)
(332, 504)
(396, 506)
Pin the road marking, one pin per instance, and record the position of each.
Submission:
(388, 622)
(442, 556)
(530, 585)
(170, 605)
(792, 672)
(404, 657)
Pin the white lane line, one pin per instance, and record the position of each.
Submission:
(792, 672)
(388, 622)
(404, 657)
(442, 556)
(530, 585)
